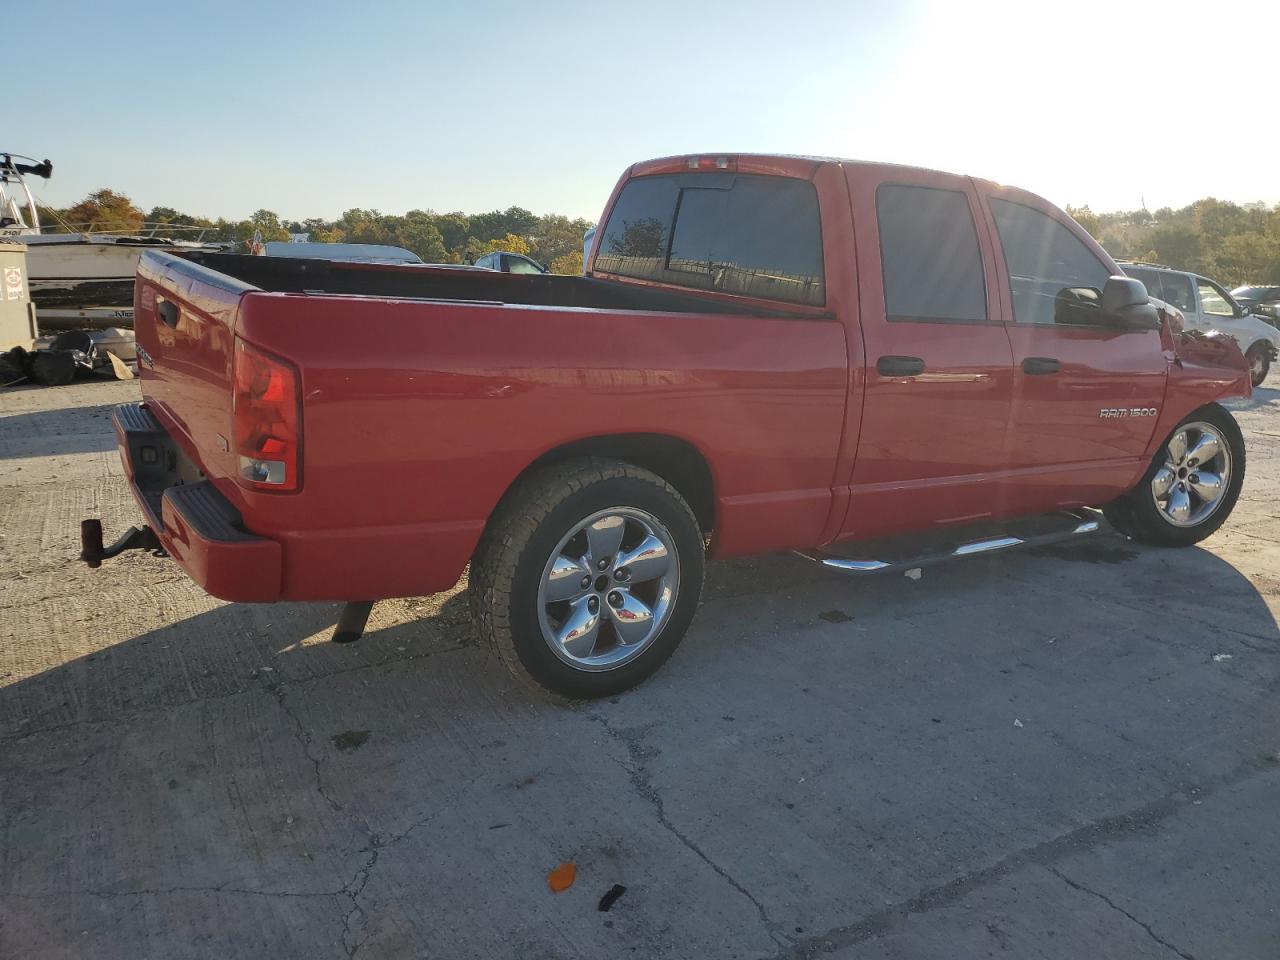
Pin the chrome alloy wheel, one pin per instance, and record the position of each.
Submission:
(1194, 478)
(608, 588)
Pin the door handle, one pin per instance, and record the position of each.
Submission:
(168, 311)
(1041, 365)
(899, 366)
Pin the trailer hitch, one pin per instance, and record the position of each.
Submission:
(93, 552)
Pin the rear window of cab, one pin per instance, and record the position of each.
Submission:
(754, 236)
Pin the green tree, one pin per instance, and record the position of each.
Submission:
(1180, 244)
(500, 223)
(105, 211)
(264, 223)
(423, 237)
(555, 236)
(1091, 222)
(569, 263)
(454, 229)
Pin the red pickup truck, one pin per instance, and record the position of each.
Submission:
(766, 353)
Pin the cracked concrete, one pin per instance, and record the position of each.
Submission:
(826, 767)
(635, 766)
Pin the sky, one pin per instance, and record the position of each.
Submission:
(314, 107)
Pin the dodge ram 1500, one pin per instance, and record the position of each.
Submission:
(765, 353)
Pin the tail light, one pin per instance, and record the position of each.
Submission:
(267, 424)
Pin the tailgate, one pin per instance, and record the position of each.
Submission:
(184, 319)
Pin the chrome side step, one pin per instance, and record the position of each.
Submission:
(1086, 522)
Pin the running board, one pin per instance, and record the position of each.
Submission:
(1085, 522)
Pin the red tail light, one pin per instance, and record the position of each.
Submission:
(267, 423)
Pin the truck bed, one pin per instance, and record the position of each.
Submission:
(444, 282)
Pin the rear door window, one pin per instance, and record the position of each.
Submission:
(1177, 290)
(929, 254)
(1150, 279)
(749, 235)
(1054, 277)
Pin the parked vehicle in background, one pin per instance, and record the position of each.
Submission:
(767, 353)
(510, 263)
(1264, 302)
(359, 252)
(1207, 306)
(78, 278)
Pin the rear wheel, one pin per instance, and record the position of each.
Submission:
(588, 576)
(1191, 486)
(1259, 357)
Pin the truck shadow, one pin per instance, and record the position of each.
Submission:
(960, 719)
(773, 605)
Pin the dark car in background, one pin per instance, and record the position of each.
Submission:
(1263, 302)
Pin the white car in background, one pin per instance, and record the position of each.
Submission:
(1207, 306)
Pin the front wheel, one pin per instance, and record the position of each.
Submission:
(588, 576)
(1259, 357)
(1191, 486)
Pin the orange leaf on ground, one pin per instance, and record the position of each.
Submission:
(561, 878)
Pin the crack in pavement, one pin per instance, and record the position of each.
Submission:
(351, 890)
(1123, 912)
(1045, 854)
(377, 842)
(355, 887)
(638, 773)
(303, 736)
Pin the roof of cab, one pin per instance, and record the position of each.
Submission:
(779, 164)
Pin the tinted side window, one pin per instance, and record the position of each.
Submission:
(1055, 277)
(749, 235)
(1177, 290)
(929, 252)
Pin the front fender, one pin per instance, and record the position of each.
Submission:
(1203, 368)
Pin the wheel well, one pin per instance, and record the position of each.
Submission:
(676, 461)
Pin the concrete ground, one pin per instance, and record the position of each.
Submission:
(1072, 753)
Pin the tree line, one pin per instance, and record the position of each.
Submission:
(552, 239)
(1232, 243)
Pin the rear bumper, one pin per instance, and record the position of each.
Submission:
(195, 523)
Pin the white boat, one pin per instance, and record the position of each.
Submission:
(82, 279)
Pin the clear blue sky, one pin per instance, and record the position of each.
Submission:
(310, 108)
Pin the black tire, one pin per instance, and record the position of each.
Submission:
(519, 540)
(1259, 357)
(1136, 514)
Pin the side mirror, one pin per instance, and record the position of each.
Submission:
(1126, 304)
